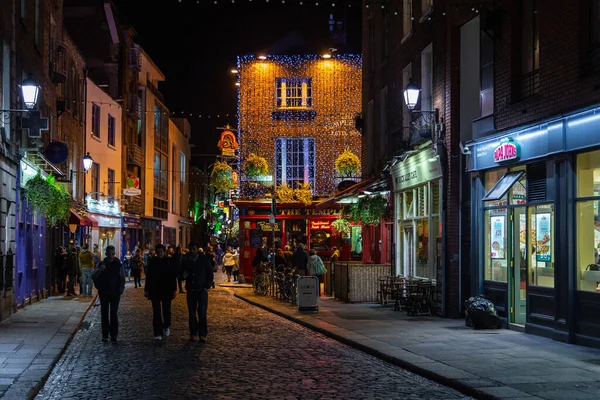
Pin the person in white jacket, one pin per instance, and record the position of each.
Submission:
(229, 262)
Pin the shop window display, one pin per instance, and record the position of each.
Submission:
(356, 241)
(496, 245)
(588, 222)
(541, 234)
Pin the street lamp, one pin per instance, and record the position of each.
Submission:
(30, 91)
(411, 94)
(87, 162)
(262, 57)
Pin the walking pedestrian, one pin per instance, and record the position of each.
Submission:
(316, 268)
(60, 266)
(161, 289)
(137, 262)
(110, 282)
(213, 260)
(72, 269)
(228, 262)
(86, 258)
(199, 276)
(176, 261)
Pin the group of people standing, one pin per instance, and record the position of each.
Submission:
(75, 265)
(196, 268)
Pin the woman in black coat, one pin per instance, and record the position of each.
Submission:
(161, 289)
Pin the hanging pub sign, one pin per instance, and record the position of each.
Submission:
(235, 178)
(132, 186)
(320, 225)
(228, 143)
(508, 150)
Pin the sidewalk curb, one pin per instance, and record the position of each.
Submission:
(436, 377)
(34, 391)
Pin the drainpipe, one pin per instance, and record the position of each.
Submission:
(441, 150)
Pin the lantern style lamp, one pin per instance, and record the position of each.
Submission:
(262, 57)
(87, 162)
(411, 94)
(30, 91)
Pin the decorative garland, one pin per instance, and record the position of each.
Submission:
(255, 166)
(48, 198)
(303, 193)
(347, 164)
(341, 225)
(221, 176)
(368, 210)
(284, 193)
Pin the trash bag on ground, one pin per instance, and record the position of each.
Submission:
(480, 313)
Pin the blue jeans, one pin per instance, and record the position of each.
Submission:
(86, 281)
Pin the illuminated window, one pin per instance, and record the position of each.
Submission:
(295, 161)
(294, 92)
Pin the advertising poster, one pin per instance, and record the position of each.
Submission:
(543, 236)
(498, 225)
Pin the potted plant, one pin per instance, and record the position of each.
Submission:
(368, 210)
(255, 166)
(221, 176)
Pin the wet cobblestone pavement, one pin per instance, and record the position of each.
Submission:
(250, 354)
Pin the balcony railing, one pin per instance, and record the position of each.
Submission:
(154, 90)
(135, 155)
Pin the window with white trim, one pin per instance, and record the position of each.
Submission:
(407, 18)
(295, 161)
(294, 92)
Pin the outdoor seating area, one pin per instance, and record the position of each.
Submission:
(413, 295)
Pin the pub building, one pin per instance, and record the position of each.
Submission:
(535, 195)
(295, 223)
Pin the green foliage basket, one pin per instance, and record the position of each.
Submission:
(255, 166)
(48, 198)
(221, 176)
(368, 210)
(341, 225)
(347, 164)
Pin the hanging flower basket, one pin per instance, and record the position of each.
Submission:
(347, 164)
(368, 210)
(221, 177)
(255, 166)
(48, 198)
(341, 225)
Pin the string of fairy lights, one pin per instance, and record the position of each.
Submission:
(335, 86)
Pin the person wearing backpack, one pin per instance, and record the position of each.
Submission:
(109, 279)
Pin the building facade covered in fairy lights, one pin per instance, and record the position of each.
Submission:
(298, 113)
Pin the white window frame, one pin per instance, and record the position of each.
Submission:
(427, 78)
(407, 19)
(281, 171)
(301, 85)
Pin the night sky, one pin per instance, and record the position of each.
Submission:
(195, 46)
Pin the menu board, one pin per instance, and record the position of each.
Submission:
(498, 226)
(543, 236)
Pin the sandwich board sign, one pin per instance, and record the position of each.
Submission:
(308, 293)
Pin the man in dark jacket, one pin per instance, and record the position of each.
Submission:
(161, 289)
(176, 261)
(110, 282)
(199, 276)
(300, 260)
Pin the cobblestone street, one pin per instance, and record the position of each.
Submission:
(250, 353)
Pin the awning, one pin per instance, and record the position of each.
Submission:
(76, 219)
(503, 186)
(91, 220)
(350, 195)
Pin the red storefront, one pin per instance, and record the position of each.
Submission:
(294, 223)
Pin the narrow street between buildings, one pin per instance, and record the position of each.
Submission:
(250, 353)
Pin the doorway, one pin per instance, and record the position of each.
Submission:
(518, 270)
